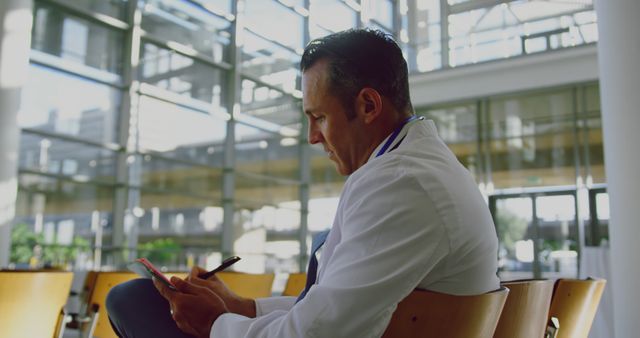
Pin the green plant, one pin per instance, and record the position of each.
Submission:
(160, 251)
(511, 229)
(22, 243)
(28, 247)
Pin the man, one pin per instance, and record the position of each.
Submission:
(410, 215)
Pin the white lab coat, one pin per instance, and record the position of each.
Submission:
(410, 218)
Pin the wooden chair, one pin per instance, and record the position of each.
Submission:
(431, 314)
(31, 303)
(103, 283)
(295, 284)
(86, 315)
(575, 303)
(525, 313)
(247, 284)
(96, 287)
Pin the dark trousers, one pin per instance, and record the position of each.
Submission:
(136, 309)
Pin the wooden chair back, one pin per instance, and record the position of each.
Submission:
(526, 311)
(295, 284)
(431, 314)
(31, 302)
(87, 290)
(248, 285)
(97, 285)
(575, 303)
(104, 281)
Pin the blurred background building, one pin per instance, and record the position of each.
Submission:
(173, 129)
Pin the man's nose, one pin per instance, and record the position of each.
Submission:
(314, 134)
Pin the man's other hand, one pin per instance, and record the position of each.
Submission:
(193, 307)
(234, 303)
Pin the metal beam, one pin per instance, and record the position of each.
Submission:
(444, 33)
(476, 4)
(234, 83)
(305, 172)
(123, 174)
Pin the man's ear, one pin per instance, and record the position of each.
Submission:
(369, 104)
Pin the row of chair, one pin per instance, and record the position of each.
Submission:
(32, 302)
(521, 309)
(32, 305)
(98, 284)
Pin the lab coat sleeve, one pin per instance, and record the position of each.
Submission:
(391, 237)
(267, 305)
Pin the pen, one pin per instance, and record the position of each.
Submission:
(227, 263)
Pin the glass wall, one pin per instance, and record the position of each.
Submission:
(531, 140)
(173, 129)
(445, 34)
(550, 137)
(159, 128)
(69, 145)
(537, 156)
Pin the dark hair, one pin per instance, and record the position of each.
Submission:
(360, 58)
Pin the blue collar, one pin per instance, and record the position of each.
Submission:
(395, 134)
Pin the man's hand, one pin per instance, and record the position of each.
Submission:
(194, 308)
(234, 303)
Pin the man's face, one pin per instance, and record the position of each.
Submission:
(341, 138)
